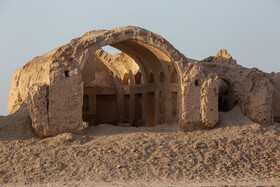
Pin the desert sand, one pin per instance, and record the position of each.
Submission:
(237, 151)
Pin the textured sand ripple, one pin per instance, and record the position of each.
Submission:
(238, 151)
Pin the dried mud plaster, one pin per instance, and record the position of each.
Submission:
(147, 84)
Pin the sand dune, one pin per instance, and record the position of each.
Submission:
(237, 151)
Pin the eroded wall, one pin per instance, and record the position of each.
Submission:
(200, 96)
(251, 89)
(60, 71)
(36, 71)
(275, 80)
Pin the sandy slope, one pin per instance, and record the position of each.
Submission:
(238, 151)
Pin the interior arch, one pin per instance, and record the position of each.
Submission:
(138, 78)
(138, 104)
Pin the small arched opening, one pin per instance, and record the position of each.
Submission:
(138, 78)
(151, 78)
(125, 80)
(197, 82)
(226, 96)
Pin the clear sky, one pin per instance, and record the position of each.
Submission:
(249, 29)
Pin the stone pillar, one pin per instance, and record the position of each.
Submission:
(132, 106)
(144, 105)
(167, 104)
(157, 115)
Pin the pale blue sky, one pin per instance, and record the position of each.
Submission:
(249, 29)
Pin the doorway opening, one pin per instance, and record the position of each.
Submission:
(226, 96)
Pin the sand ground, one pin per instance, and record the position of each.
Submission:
(237, 151)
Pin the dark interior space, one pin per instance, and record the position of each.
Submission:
(226, 96)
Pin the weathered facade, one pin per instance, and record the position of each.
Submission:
(148, 83)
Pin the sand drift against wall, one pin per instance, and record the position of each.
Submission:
(238, 150)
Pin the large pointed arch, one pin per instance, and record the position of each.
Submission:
(150, 50)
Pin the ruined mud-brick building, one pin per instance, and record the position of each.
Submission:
(147, 84)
